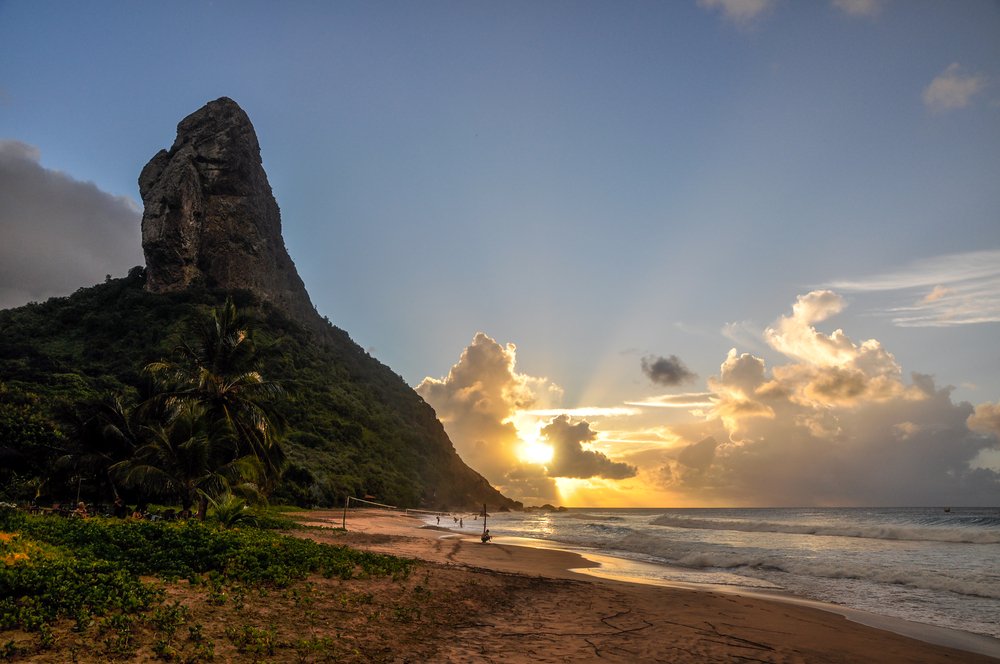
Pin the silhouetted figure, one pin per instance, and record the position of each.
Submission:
(119, 510)
(486, 536)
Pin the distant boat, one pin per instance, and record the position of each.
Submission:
(947, 509)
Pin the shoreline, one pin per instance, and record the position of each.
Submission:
(944, 636)
(837, 632)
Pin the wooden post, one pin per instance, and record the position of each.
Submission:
(347, 501)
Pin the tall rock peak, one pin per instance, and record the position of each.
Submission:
(210, 217)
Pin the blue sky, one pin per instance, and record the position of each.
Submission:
(595, 182)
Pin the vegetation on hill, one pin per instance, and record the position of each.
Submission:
(72, 370)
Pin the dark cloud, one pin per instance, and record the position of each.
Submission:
(698, 455)
(569, 459)
(58, 234)
(666, 370)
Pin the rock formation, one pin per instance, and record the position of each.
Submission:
(210, 218)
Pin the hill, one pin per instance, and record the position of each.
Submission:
(353, 427)
(211, 230)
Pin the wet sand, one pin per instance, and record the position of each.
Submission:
(552, 613)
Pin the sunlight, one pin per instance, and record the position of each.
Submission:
(529, 430)
(532, 451)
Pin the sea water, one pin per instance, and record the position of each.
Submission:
(933, 566)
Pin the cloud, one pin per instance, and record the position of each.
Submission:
(569, 459)
(741, 12)
(831, 368)
(837, 425)
(834, 423)
(986, 418)
(58, 233)
(689, 400)
(689, 464)
(743, 333)
(899, 451)
(477, 400)
(666, 370)
(952, 89)
(584, 411)
(861, 8)
(943, 291)
(937, 293)
(491, 412)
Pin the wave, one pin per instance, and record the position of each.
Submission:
(604, 529)
(748, 561)
(584, 516)
(962, 534)
(913, 579)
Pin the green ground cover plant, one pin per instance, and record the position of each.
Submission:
(111, 576)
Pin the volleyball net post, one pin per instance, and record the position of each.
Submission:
(347, 503)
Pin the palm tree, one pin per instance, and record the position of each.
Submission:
(219, 373)
(105, 431)
(183, 461)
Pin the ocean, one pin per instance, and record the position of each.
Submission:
(927, 565)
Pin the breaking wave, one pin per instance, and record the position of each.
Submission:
(748, 560)
(986, 531)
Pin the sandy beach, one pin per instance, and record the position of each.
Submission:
(527, 604)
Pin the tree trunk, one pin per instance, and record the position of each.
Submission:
(202, 507)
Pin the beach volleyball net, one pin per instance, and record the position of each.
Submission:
(352, 503)
(369, 504)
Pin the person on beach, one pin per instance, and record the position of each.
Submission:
(460, 525)
(439, 521)
(486, 536)
(119, 510)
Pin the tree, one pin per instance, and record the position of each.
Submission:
(184, 461)
(30, 441)
(215, 379)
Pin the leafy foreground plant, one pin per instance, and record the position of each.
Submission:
(86, 573)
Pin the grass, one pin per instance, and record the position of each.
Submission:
(110, 587)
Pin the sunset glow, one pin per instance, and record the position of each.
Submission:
(535, 452)
(678, 255)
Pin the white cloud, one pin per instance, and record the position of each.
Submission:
(952, 89)
(831, 368)
(477, 400)
(741, 12)
(744, 333)
(584, 411)
(986, 418)
(837, 425)
(949, 290)
(687, 400)
(864, 8)
(58, 233)
(492, 412)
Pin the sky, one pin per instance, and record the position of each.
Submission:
(688, 253)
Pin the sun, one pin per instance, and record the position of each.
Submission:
(532, 451)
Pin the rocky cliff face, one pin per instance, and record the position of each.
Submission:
(210, 217)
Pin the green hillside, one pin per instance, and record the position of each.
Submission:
(352, 426)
